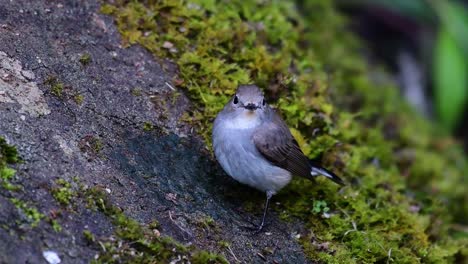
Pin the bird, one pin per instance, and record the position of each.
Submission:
(254, 145)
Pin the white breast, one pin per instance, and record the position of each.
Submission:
(242, 121)
(237, 154)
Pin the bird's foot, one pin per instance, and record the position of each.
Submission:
(259, 228)
(255, 229)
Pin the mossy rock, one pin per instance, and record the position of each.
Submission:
(405, 189)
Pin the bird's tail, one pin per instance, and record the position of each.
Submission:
(316, 170)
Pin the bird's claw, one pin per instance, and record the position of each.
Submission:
(254, 228)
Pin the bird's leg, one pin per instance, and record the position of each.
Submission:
(269, 194)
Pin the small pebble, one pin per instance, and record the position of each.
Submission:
(51, 257)
(156, 233)
(73, 253)
(168, 45)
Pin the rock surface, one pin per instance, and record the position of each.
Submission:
(79, 107)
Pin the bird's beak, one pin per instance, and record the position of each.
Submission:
(250, 106)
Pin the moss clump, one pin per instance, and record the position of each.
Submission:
(63, 92)
(9, 156)
(6, 176)
(154, 224)
(90, 238)
(33, 216)
(224, 244)
(56, 87)
(79, 99)
(206, 223)
(406, 187)
(63, 193)
(91, 145)
(136, 243)
(148, 126)
(85, 59)
(55, 225)
(137, 92)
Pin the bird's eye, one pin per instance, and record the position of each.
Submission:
(236, 99)
(263, 102)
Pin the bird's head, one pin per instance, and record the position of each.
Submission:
(247, 107)
(248, 99)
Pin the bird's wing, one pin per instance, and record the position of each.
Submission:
(275, 142)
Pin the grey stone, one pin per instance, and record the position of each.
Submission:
(40, 40)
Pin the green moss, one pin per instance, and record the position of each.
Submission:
(137, 92)
(136, 243)
(56, 87)
(33, 216)
(320, 207)
(59, 90)
(90, 238)
(6, 176)
(148, 126)
(203, 257)
(55, 225)
(175, 97)
(8, 154)
(206, 222)
(224, 244)
(78, 98)
(154, 224)
(85, 59)
(91, 144)
(406, 184)
(63, 193)
(97, 145)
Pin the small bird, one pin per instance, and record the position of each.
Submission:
(255, 147)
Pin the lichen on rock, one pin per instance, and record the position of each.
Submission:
(17, 85)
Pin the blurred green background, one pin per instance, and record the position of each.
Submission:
(425, 44)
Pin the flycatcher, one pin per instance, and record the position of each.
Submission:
(255, 147)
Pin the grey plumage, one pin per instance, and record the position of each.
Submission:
(254, 145)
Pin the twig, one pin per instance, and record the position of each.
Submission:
(389, 256)
(232, 254)
(170, 86)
